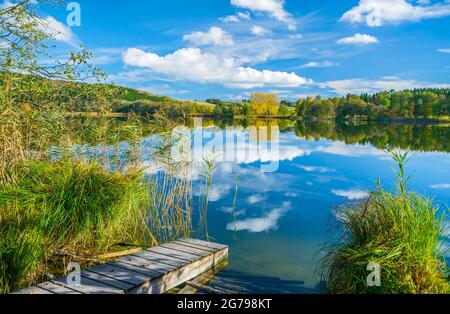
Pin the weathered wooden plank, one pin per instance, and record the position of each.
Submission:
(56, 289)
(155, 270)
(186, 249)
(188, 272)
(162, 259)
(197, 246)
(89, 286)
(107, 280)
(151, 265)
(174, 253)
(33, 290)
(118, 254)
(148, 273)
(121, 274)
(204, 243)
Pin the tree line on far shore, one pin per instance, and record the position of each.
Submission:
(408, 104)
(417, 103)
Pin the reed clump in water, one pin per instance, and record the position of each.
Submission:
(83, 202)
(400, 231)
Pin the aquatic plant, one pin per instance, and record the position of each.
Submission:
(402, 232)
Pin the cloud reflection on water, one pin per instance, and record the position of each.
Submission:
(267, 222)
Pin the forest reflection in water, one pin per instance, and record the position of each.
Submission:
(422, 137)
(276, 223)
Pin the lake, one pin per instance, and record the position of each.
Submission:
(275, 223)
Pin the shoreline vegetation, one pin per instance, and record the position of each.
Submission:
(441, 120)
(426, 105)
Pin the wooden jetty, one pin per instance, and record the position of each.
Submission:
(152, 271)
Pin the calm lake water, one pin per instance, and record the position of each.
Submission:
(280, 220)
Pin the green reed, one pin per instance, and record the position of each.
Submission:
(403, 232)
(65, 208)
(75, 204)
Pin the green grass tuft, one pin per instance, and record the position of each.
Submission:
(65, 207)
(401, 231)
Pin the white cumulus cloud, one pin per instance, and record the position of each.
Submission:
(319, 64)
(49, 25)
(443, 186)
(194, 65)
(343, 149)
(316, 169)
(265, 223)
(376, 13)
(255, 199)
(240, 16)
(259, 31)
(358, 39)
(358, 86)
(57, 30)
(215, 36)
(275, 8)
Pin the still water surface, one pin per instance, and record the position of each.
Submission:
(280, 220)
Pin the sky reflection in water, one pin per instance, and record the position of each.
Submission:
(282, 219)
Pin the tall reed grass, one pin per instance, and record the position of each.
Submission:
(66, 208)
(91, 200)
(403, 232)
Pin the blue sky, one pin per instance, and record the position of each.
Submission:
(227, 49)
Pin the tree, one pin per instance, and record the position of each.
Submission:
(383, 99)
(439, 107)
(301, 108)
(398, 104)
(284, 110)
(430, 100)
(264, 104)
(34, 96)
(246, 108)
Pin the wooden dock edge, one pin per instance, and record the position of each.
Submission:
(183, 261)
(182, 275)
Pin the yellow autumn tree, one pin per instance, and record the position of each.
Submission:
(263, 104)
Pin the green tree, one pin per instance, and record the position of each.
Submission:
(383, 99)
(284, 110)
(35, 96)
(301, 108)
(430, 100)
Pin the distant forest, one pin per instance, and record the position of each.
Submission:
(408, 104)
(417, 103)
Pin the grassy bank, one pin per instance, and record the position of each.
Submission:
(400, 231)
(95, 115)
(65, 209)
